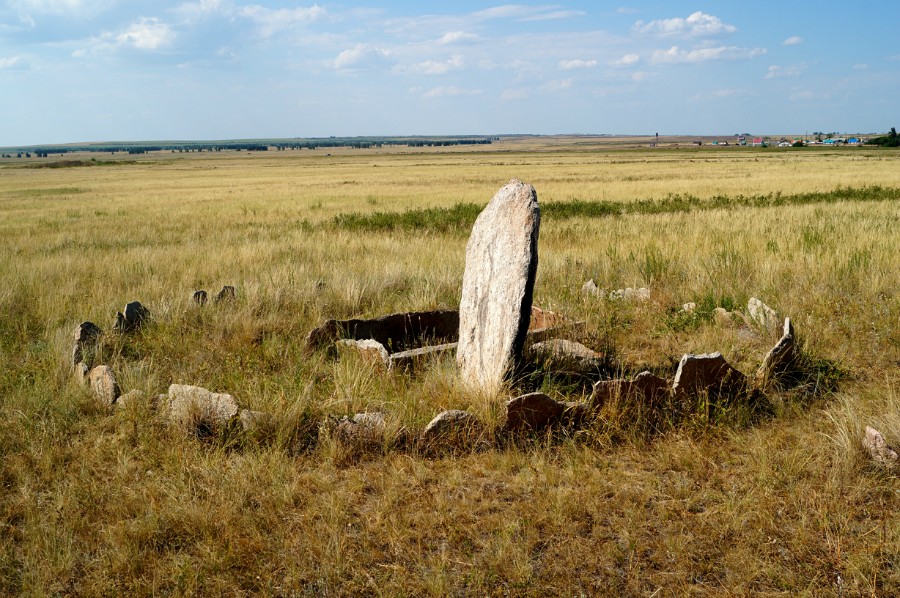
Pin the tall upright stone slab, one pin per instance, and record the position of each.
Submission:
(501, 264)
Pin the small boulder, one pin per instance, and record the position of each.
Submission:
(226, 294)
(689, 308)
(779, 358)
(453, 428)
(879, 450)
(369, 350)
(591, 289)
(533, 411)
(103, 384)
(762, 315)
(363, 433)
(709, 374)
(133, 318)
(630, 294)
(131, 399)
(257, 422)
(198, 410)
(87, 335)
(565, 355)
(723, 317)
(645, 388)
(199, 297)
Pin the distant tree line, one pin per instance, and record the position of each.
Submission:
(889, 140)
(259, 146)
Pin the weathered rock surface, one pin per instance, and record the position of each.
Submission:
(762, 315)
(645, 387)
(709, 374)
(103, 384)
(87, 336)
(198, 410)
(199, 297)
(362, 433)
(879, 450)
(565, 355)
(257, 422)
(452, 428)
(501, 265)
(369, 350)
(533, 411)
(134, 316)
(689, 308)
(227, 293)
(780, 357)
(131, 399)
(591, 289)
(416, 358)
(397, 332)
(723, 317)
(545, 325)
(630, 294)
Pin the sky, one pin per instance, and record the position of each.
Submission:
(127, 70)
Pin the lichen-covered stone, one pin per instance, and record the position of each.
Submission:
(103, 384)
(198, 410)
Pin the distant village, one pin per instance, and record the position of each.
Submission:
(817, 139)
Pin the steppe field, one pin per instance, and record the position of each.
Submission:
(777, 501)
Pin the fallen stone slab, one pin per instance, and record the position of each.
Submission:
(103, 384)
(397, 332)
(879, 450)
(452, 429)
(566, 356)
(546, 325)
(762, 315)
(227, 293)
(630, 294)
(132, 399)
(87, 336)
(368, 350)
(199, 411)
(132, 318)
(533, 411)
(779, 358)
(199, 297)
(708, 374)
(646, 388)
(414, 359)
(497, 287)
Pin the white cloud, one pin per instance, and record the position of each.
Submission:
(272, 21)
(514, 94)
(525, 13)
(777, 72)
(676, 55)
(450, 91)
(456, 37)
(25, 7)
(860, 67)
(698, 24)
(792, 41)
(624, 10)
(146, 34)
(10, 63)
(559, 85)
(569, 65)
(801, 96)
(627, 60)
(555, 15)
(895, 57)
(360, 57)
(639, 76)
(433, 67)
(729, 93)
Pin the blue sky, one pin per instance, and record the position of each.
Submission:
(92, 70)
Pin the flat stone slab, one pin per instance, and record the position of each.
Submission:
(709, 374)
(533, 411)
(762, 315)
(397, 332)
(495, 308)
(779, 357)
(645, 387)
(452, 428)
(198, 410)
(566, 355)
(360, 434)
(104, 387)
(416, 358)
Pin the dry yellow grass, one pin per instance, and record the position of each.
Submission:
(93, 503)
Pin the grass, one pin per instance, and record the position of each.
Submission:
(98, 503)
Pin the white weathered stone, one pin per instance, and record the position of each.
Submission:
(763, 315)
(779, 357)
(590, 288)
(501, 264)
(878, 449)
(198, 410)
(103, 384)
(723, 317)
(689, 308)
(369, 350)
(630, 294)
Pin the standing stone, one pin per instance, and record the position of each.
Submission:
(86, 336)
(533, 411)
(495, 309)
(763, 315)
(198, 410)
(780, 357)
(590, 288)
(134, 316)
(709, 374)
(226, 294)
(199, 297)
(103, 384)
